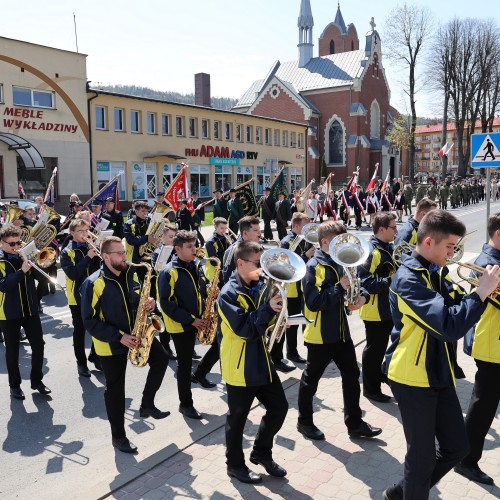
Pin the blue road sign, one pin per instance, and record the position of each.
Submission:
(485, 150)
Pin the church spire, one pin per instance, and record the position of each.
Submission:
(305, 24)
(339, 20)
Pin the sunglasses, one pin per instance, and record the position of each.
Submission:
(12, 243)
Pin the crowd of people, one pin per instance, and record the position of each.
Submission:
(413, 314)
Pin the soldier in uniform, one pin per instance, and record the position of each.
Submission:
(421, 192)
(443, 196)
(408, 192)
(432, 192)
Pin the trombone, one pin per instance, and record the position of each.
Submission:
(38, 259)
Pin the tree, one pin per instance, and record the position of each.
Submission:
(407, 30)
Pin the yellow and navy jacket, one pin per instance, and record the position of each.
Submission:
(294, 290)
(182, 290)
(77, 266)
(216, 246)
(407, 232)
(375, 279)
(228, 262)
(483, 341)
(109, 308)
(134, 232)
(244, 315)
(427, 320)
(324, 301)
(18, 297)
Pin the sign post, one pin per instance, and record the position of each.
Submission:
(485, 153)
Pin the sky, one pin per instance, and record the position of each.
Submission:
(162, 43)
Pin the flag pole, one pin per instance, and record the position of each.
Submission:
(86, 204)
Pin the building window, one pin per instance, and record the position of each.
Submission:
(284, 139)
(100, 118)
(204, 129)
(249, 133)
(135, 122)
(332, 47)
(151, 123)
(165, 125)
(276, 137)
(293, 140)
(267, 136)
(336, 143)
(199, 176)
(217, 130)
(300, 143)
(258, 135)
(179, 125)
(229, 131)
(238, 133)
(375, 120)
(119, 122)
(22, 96)
(1, 93)
(193, 126)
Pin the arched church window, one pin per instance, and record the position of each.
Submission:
(336, 143)
(332, 47)
(375, 120)
(352, 44)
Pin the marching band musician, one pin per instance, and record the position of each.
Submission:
(419, 361)
(482, 344)
(182, 291)
(114, 217)
(167, 238)
(19, 308)
(328, 338)
(375, 275)
(294, 297)
(78, 262)
(216, 246)
(235, 210)
(245, 364)
(408, 231)
(110, 298)
(249, 231)
(135, 230)
(267, 210)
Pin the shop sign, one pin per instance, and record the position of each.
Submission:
(25, 119)
(220, 152)
(224, 161)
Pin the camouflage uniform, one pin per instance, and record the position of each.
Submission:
(408, 192)
(443, 196)
(453, 196)
(420, 193)
(432, 192)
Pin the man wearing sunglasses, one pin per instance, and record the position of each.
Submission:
(19, 308)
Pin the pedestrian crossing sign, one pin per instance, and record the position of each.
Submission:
(485, 150)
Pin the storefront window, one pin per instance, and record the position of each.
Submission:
(106, 170)
(200, 180)
(169, 174)
(263, 179)
(144, 182)
(36, 180)
(223, 177)
(244, 174)
(296, 179)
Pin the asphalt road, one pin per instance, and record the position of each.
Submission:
(60, 446)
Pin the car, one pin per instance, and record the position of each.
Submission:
(23, 204)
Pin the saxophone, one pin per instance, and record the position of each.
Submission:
(145, 326)
(207, 336)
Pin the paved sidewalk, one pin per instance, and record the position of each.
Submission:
(338, 467)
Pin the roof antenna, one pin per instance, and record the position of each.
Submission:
(76, 35)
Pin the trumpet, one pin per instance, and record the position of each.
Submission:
(472, 280)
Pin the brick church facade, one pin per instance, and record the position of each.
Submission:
(342, 95)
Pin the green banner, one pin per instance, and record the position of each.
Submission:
(245, 194)
(279, 186)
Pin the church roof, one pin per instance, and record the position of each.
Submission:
(339, 21)
(335, 70)
(305, 16)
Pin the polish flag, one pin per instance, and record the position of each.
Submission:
(445, 150)
(385, 184)
(371, 185)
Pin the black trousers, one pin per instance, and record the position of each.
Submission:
(233, 225)
(114, 368)
(44, 286)
(184, 347)
(33, 328)
(208, 361)
(239, 400)
(282, 230)
(165, 339)
(377, 338)
(357, 215)
(482, 408)
(268, 232)
(429, 416)
(318, 358)
(294, 307)
(200, 236)
(79, 336)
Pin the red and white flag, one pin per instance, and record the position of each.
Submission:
(445, 150)
(371, 185)
(385, 185)
(178, 190)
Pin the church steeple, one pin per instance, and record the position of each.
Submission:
(339, 21)
(305, 24)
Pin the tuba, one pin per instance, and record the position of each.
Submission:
(146, 325)
(349, 251)
(12, 213)
(155, 228)
(207, 336)
(308, 233)
(43, 232)
(280, 266)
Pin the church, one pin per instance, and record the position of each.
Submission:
(342, 96)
